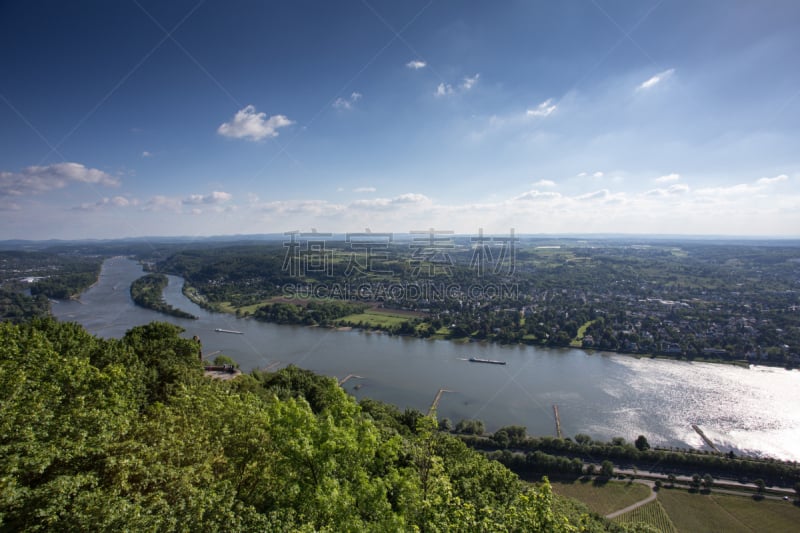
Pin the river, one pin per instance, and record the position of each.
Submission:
(604, 395)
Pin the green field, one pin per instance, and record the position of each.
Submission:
(374, 319)
(652, 514)
(698, 513)
(605, 498)
(577, 342)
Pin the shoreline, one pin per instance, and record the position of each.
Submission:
(196, 298)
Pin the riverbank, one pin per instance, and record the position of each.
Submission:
(389, 322)
(603, 396)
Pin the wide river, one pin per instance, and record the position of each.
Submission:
(748, 410)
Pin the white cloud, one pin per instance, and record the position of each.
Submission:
(216, 197)
(545, 183)
(40, 179)
(364, 189)
(146, 154)
(248, 124)
(672, 190)
(535, 195)
(407, 199)
(668, 178)
(347, 103)
(602, 194)
(770, 181)
(416, 64)
(116, 201)
(597, 174)
(443, 89)
(732, 190)
(469, 83)
(655, 80)
(162, 203)
(542, 110)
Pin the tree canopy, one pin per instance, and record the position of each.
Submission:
(127, 434)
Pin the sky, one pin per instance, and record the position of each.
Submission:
(209, 117)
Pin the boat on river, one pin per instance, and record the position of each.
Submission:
(220, 330)
(489, 361)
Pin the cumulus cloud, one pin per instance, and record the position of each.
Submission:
(542, 110)
(655, 80)
(443, 89)
(401, 200)
(347, 103)
(668, 178)
(672, 190)
(732, 190)
(416, 64)
(545, 183)
(364, 189)
(116, 201)
(602, 194)
(597, 174)
(40, 179)
(216, 197)
(162, 203)
(251, 125)
(469, 83)
(535, 195)
(770, 181)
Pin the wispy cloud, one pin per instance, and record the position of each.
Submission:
(672, 190)
(364, 189)
(147, 154)
(443, 89)
(668, 178)
(40, 179)
(216, 197)
(655, 80)
(116, 201)
(542, 110)
(416, 64)
(162, 203)
(770, 181)
(347, 103)
(545, 183)
(251, 125)
(469, 82)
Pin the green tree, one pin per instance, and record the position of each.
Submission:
(607, 469)
(641, 443)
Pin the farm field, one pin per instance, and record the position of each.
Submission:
(727, 513)
(605, 498)
(653, 514)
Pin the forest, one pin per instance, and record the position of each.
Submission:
(28, 279)
(148, 292)
(127, 434)
(713, 301)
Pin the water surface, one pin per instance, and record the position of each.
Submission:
(603, 395)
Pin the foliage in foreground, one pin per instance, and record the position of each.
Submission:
(127, 434)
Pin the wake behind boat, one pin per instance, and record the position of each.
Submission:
(220, 330)
(489, 361)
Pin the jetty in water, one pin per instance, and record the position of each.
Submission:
(558, 421)
(705, 439)
(435, 403)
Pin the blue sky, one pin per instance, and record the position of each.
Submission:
(132, 118)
